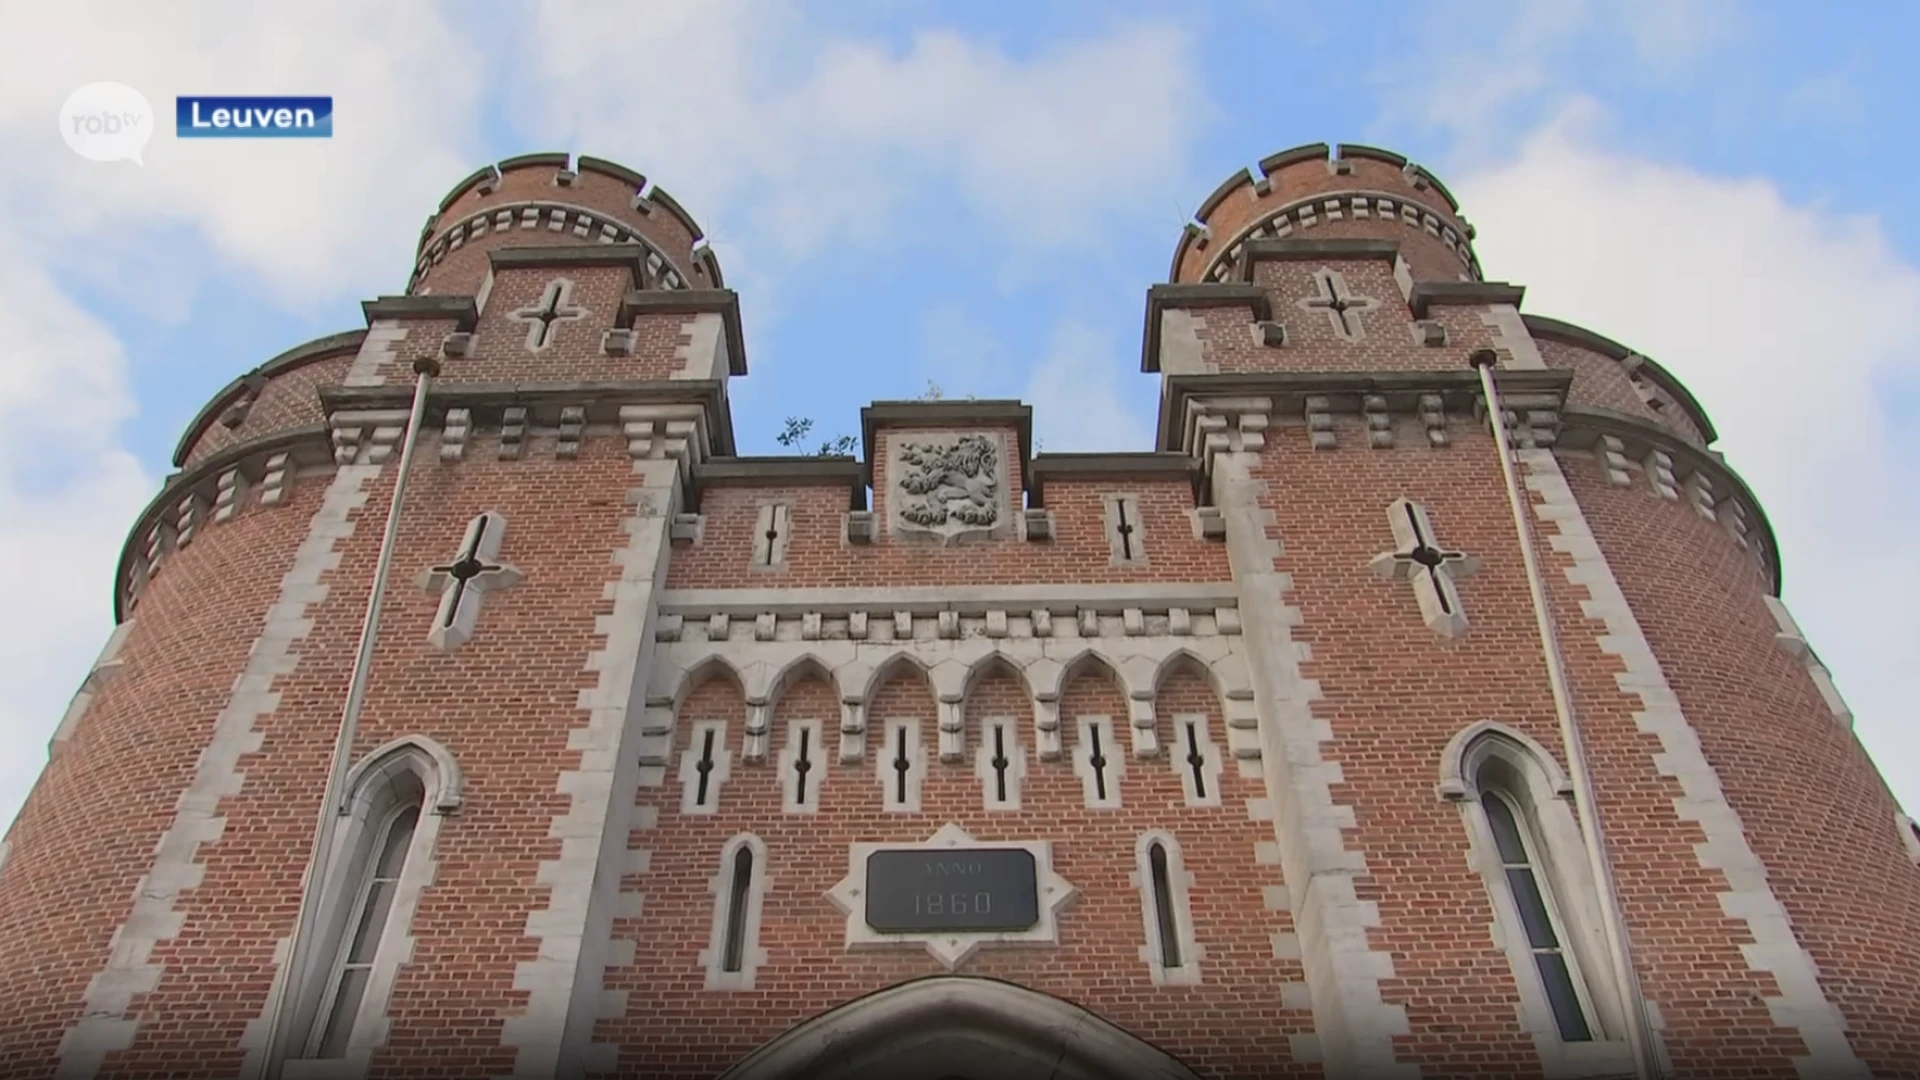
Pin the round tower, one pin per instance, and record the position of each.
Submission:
(1361, 192)
(1314, 341)
(1244, 755)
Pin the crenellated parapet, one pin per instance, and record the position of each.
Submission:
(1316, 191)
(555, 199)
(1622, 379)
(277, 395)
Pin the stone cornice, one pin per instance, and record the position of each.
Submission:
(461, 309)
(784, 471)
(1154, 465)
(632, 256)
(310, 441)
(1287, 391)
(946, 414)
(1425, 294)
(1188, 297)
(1291, 250)
(601, 400)
(1583, 425)
(592, 227)
(964, 599)
(725, 302)
(298, 356)
(1558, 330)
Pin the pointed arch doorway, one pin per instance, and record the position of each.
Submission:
(958, 1028)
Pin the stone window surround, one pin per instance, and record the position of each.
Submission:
(916, 765)
(752, 956)
(1016, 755)
(690, 802)
(770, 551)
(1114, 761)
(791, 801)
(1179, 882)
(1212, 767)
(453, 625)
(1132, 551)
(1536, 785)
(376, 789)
(1436, 589)
(556, 303)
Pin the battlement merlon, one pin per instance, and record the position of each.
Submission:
(555, 198)
(1317, 185)
(247, 387)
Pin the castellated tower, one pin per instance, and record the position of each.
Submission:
(1244, 755)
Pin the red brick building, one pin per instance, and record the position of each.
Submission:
(1237, 756)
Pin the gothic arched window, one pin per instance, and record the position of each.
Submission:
(380, 865)
(351, 969)
(739, 892)
(1547, 910)
(1540, 919)
(1171, 952)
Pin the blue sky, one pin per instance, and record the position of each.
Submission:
(979, 195)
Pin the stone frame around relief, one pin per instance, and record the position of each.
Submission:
(953, 948)
(952, 530)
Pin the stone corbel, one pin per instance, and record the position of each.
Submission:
(1146, 741)
(1046, 726)
(1243, 724)
(229, 493)
(953, 729)
(1225, 425)
(759, 714)
(656, 733)
(853, 729)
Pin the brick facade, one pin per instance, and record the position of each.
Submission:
(1277, 712)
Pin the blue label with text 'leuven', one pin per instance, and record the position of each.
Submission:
(253, 117)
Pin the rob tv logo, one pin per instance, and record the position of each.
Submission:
(253, 117)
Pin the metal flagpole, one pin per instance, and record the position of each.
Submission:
(292, 974)
(1639, 1031)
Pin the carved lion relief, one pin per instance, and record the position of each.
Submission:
(947, 486)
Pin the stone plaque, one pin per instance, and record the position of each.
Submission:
(916, 890)
(1012, 896)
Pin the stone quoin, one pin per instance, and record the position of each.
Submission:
(1236, 756)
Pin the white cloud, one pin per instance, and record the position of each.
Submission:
(1490, 62)
(62, 393)
(145, 237)
(962, 354)
(1077, 398)
(1784, 320)
(804, 141)
(405, 120)
(1829, 100)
